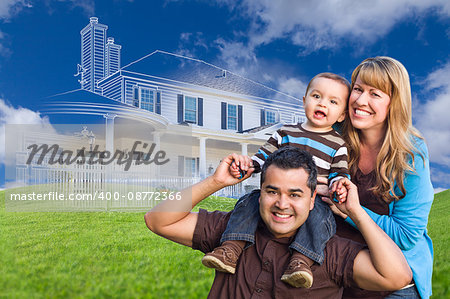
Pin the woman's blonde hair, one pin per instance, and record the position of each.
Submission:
(391, 77)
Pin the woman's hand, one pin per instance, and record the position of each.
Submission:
(351, 205)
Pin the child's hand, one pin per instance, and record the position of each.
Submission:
(242, 166)
(234, 170)
(351, 205)
(338, 192)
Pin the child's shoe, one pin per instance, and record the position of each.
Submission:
(224, 258)
(298, 274)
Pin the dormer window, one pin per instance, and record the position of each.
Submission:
(147, 98)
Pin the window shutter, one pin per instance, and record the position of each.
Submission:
(136, 96)
(224, 116)
(180, 108)
(180, 166)
(158, 102)
(263, 117)
(200, 111)
(239, 118)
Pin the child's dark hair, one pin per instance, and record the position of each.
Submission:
(330, 76)
(289, 157)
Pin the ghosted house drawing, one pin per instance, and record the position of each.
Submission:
(161, 92)
(226, 112)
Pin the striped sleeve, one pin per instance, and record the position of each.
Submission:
(271, 145)
(339, 166)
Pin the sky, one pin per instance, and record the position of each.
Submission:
(280, 43)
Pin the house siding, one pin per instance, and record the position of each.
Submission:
(212, 99)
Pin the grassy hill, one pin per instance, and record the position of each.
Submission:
(114, 255)
(438, 224)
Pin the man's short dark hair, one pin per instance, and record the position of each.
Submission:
(289, 157)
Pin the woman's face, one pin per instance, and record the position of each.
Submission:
(368, 107)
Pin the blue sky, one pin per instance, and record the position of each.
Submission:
(279, 43)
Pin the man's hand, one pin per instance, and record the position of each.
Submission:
(324, 192)
(322, 187)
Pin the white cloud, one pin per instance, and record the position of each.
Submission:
(432, 117)
(236, 55)
(313, 25)
(87, 6)
(192, 44)
(11, 115)
(292, 86)
(440, 177)
(9, 8)
(328, 20)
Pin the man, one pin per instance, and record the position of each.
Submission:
(288, 182)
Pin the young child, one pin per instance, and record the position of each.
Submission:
(325, 103)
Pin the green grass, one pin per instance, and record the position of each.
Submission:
(95, 255)
(438, 224)
(114, 255)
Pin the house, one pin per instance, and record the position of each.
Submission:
(226, 112)
(196, 111)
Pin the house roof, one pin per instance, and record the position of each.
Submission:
(257, 129)
(194, 71)
(81, 95)
(84, 102)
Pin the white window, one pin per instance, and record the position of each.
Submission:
(271, 117)
(297, 118)
(147, 99)
(144, 98)
(190, 167)
(190, 109)
(231, 117)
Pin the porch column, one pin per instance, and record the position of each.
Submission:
(109, 135)
(244, 149)
(157, 141)
(202, 162)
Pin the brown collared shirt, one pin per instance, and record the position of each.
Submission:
(260, 267)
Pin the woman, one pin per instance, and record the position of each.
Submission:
(388, 161)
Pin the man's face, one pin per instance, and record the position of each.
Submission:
(285, 200)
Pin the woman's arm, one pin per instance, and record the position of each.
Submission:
(409, 216)
(383, 266)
